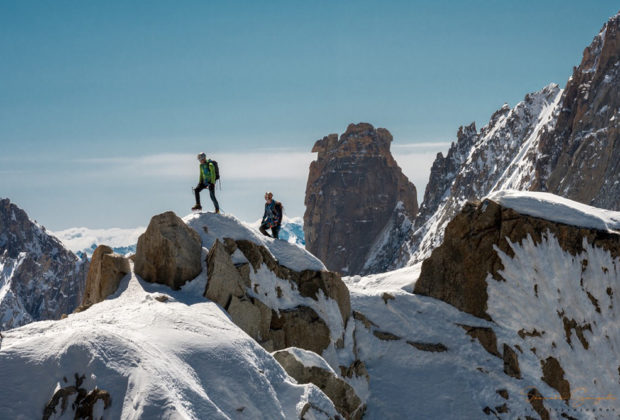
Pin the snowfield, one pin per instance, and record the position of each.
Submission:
(180, 358)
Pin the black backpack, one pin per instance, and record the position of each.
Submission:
(217, 169)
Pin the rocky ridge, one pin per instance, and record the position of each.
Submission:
(501, 155)
(355, 191)
(560, 141)
(283, 297)
(39, 278)
(580, 157)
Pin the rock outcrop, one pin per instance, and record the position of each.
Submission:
(355, 189)
(548, 285)
(341, 393)
(169, 252)
(104, 275)
(275, 305)
(40, 279)
(458, 271)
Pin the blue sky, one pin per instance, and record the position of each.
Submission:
(103, 105)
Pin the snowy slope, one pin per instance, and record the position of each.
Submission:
(180, 358)
(292, 230)
(211, 227)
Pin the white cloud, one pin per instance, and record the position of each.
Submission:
(233, 166)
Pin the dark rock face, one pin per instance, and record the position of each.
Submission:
(83, 400)
(44, 279)
(553, 375)
(231, 286)
(580, 158)
(104, 275)
(354, 190)
(341, 393)
(169, 252)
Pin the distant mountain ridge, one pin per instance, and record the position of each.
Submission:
(563, 141)
(39, 278)
(84, 241)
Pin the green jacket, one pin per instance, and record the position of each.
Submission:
(207, 173)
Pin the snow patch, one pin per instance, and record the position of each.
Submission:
(557, 209)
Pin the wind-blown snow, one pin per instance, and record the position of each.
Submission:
(544, 287)
(557, 209)
(181, 358)
(264, 288)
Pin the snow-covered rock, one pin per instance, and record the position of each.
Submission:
(545, 269)
(277, 292)
(104, 275)
(523, 320)
(39, 278)
(307, 367)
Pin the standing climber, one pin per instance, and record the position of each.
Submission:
(272, 218)
(208, 176)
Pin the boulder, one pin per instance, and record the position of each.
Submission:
(169, 252)
(104, 275)
(274, 328)
(346, 401)
(299, 327)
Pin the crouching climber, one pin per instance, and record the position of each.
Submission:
(272, 218)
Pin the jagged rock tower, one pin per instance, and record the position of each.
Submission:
(354, 195)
